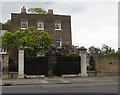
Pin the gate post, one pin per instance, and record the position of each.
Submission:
(21, 62)
(82, 54)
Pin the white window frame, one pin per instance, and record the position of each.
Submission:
(59, 25)
(25, 22)
(42, 25)
(3, 51)
(60, 45)
(2, 32)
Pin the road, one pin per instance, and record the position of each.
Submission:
(105, 87)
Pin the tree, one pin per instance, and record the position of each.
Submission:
(29, 38)
(37, 11)
(106, 50)
(94, 50)
(8, 22)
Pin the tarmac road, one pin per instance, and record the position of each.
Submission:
(102, 87)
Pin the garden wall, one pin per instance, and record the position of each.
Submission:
(106, 65)
(4, 66)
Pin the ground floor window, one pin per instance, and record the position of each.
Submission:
(58, 41)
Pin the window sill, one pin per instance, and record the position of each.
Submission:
(58, 29)
(3, 52)
(23, 28)
(40, 28)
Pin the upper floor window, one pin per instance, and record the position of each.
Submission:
(58, 41)
(57, 25)
(40, 25)
(24, 24)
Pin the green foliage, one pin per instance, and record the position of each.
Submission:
(8, 40)
(8, 22)
(29, 38)
(106, 50)
(112, 53)
(37, 11)
(93, 50)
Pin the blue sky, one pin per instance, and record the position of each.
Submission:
(93, 23)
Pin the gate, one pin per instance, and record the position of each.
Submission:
(69, 64)
(36, 65)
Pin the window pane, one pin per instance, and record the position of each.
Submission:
(58, 41)
(58, 44)
(2, 32)
(58, 25)
(3, 51)
(24, 24)
(40, 25)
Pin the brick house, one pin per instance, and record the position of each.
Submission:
(58, 26)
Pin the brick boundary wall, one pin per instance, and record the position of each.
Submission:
(5, 67)
(106, 65)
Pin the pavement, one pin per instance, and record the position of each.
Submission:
(59, 80)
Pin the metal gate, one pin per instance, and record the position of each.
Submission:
(67, 65)
(36, 65)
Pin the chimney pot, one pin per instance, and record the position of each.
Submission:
(23, 10)
(50, 11)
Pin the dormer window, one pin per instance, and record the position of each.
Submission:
(24, 24)
(57, 25)
(40, 25)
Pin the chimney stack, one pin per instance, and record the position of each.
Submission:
(23, 10)
(50, 11)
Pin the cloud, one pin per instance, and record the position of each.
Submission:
(67, 8)
(96, 26)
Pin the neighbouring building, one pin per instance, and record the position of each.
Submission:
(58, 26)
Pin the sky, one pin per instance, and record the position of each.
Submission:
(94, 22)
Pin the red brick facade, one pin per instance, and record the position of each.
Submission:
(49, 26)
(49, 20)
